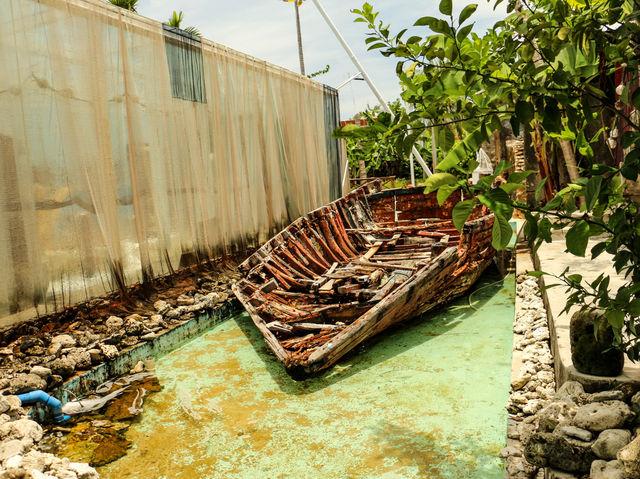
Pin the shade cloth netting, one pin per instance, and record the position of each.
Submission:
(110, 171)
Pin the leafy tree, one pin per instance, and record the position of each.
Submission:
(176, 19)
(375, 145)
(548, 68)
(126, 4)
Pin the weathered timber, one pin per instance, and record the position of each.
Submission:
(349, 270)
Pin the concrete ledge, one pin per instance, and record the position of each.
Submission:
(552, 258)
(156, 347)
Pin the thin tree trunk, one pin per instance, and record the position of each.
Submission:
(363, 168)
(300, 55)
(570, 162)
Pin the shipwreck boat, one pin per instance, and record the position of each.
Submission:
(349, 270)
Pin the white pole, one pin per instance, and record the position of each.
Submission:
(353, 77)
(364, 75)
(413, 174)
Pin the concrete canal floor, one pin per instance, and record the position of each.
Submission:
(423, 401)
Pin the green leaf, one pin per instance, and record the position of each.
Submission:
(524, 111)
(615, 318)
(497, 201)
(467, 12)
(592, 191)
(509, 188)
(425, 21)
(444, 192)
(461, 212)
(519, 176)
(540, 188)
(575, 278)
(598, 249)
(635, 98)
(536, 273)
(577, 238)
(437, 180)
(634, 307)
(445, 7)
(463, 32)
(502, 232)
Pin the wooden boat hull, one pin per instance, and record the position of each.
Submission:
(304, 291)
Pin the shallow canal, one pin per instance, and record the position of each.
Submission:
(425, 400)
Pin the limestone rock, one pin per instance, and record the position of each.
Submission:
(64, 340)
(613, 395)
(24, 383)
(510, 451)
(556, 474)
(81, 359)
(518, 467)
(133, 325)
(610, 441)
(556, 413)
(62, 366)
(162, 307)
(184, 300)
(109, 350)
(83, 470)
(54, 349)
(574, 432)
(41, 371)
(629, 457)
(601, 416)
(113, 323)
(86, 337)
(635, 403)
(21, 429)
(12, 448)
(606, 470)
(129, 341)
(4, 405)
(572, 390)
(544, 449)
(591, 355)
(96, 356)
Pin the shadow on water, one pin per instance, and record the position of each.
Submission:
(435, 454)
(392, 342)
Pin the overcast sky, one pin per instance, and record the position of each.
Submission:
(266, 30)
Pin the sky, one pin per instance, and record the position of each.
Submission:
(266, 29)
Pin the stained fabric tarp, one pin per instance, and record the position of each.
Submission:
(109, 177)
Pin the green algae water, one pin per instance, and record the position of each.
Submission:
(424, 400)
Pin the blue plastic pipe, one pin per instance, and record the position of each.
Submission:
(41, 397)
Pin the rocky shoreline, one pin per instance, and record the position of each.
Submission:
(44, 353)
(567, 434)
(535, 381)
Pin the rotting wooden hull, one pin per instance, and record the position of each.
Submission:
(349, 270)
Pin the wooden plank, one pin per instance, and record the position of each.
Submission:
(385, 265)
(373, 250)
(327, 287)
(311, 327)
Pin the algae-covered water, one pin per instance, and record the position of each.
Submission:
(425, 400)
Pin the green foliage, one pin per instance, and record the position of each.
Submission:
(175, 20)
(319, 72)
(547, 66)
(384, 143)
(126, 4)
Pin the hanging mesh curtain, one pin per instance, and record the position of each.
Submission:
(125, 148)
